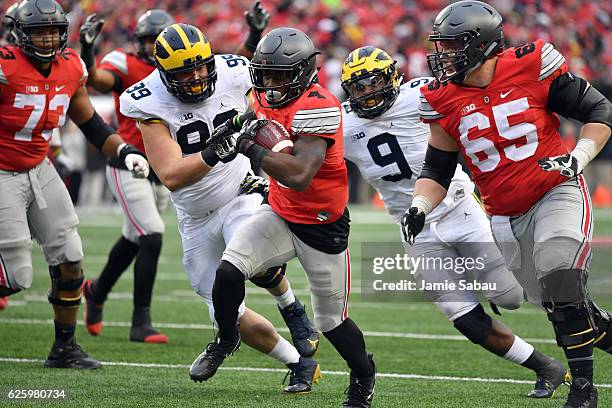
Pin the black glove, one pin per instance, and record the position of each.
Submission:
(220, 150)
(567, 165)
(88, 33)
(230, 127)
(412, 224)
(246, 138)
(257, 17)
(255, 184)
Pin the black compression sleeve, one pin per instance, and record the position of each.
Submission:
(96, 131)
(439, 166)
(573, 97)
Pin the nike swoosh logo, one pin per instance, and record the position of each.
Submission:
(59, 88)
(503, 95)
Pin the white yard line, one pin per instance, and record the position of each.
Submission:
(199, 326)
(280, 370)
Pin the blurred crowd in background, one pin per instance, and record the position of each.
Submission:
(580, 29)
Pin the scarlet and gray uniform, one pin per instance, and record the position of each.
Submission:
(311, 225)
(141, 200)
(34, 201)
(389, 151)
(541, 220)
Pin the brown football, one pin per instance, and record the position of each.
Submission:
(273, 136)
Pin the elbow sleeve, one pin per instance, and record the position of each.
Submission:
(573, 97)
(96, 131)
(439, 166)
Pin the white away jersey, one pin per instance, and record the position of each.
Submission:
(192, 123)
(390, 150)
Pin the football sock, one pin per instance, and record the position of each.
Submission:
(145, 269)
(348, 340)
(119, 258)
(580, 362)
(519, 351)
(286, 299)
(228, 294)
(63, 332)
(285, 352)
(536, 361)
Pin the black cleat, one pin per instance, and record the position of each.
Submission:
(302, 375)
(549, 379)
(142, 331)
(93, 310)
(360, 391)
(583, 394)
(208, 362)
(70, 355)
(304, 335)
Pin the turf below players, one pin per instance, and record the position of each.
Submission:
(384, 137)
(498, 108)
(190, 93)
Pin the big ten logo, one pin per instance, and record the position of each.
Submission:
(467, 109)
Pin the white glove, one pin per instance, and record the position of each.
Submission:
(65, 162)
(137, 164)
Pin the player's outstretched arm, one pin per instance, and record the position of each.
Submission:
(100, 79)
(102, 136)
(573, 97)
(166, 158)
(257, 19)
(433, 182)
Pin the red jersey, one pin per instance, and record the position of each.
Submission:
(503, 129)
(32, 105)
(315, 113)
(130, 69)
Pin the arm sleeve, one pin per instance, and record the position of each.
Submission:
(573, 97)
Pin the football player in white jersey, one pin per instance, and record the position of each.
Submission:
(177, 107)
(384, 137)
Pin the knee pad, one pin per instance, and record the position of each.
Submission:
(574, 324)
(270, 278)
(64, 292)
(564, 286)
(151, 243)
(476, 325)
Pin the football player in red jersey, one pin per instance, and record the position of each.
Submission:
(141, 200)
(498, 109)
(306, 216)
(42, 82)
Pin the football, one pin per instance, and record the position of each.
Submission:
(273, 136)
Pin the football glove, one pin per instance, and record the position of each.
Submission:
(413, 222)
(64, 164)
(134, 160)
(257, 17)
(90, 30)
(255, 184)
(566, 164)
(246, 137)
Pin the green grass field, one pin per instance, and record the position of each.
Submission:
(421, 359)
